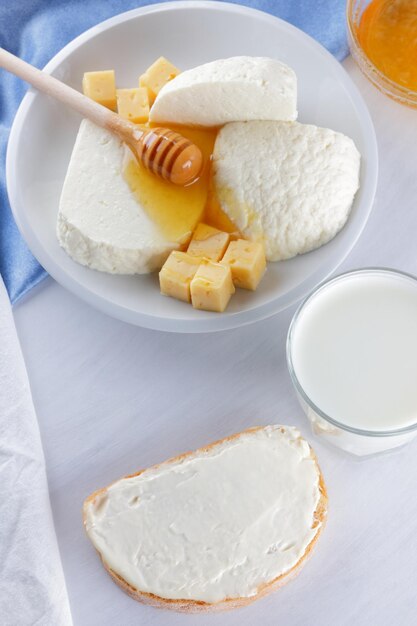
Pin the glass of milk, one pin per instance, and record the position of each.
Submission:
(352, 357)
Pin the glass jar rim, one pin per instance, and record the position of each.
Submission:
(323, 285)
(379, 79)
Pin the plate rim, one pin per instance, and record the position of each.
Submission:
(214, 323)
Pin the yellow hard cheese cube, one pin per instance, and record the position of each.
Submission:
(208, 242)
(247, 262)
(212, 286)
(143, 85)
(158, 75)
(176, 275)
(133, 104)
(101, 87)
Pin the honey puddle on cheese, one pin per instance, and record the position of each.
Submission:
(354, 350)
(177, 210)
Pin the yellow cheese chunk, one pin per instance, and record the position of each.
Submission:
(212, 286)
(101, 87)
(133, 104)
(158, 75)
(143, 85)
(176, 275)
(208, 242)
(247, 262)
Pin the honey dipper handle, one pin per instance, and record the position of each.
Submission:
(95, 112)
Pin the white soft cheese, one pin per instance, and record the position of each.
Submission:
(216, 524)
(229, 90)
(290, 184)
(100, 222)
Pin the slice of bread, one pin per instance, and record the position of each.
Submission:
(212, 529)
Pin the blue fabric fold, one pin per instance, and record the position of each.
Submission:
(36, 30)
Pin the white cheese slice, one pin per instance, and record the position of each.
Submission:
(291, 185)
(235, 89)
(100, 222)
(219, 523)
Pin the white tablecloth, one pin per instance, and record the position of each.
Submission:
(112, 398)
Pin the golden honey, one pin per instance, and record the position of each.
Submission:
(177, 210)
(387, 33)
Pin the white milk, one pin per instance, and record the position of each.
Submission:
(354, 353)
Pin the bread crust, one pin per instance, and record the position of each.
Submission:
(198, 606)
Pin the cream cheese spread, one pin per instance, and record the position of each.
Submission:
(215, 524)
(228, 90)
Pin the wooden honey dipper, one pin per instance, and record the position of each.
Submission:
(163, 152)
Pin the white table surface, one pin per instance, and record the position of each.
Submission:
(112, 398)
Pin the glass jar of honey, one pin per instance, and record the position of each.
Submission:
(383, 40)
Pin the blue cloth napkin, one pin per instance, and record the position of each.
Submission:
(35, 30)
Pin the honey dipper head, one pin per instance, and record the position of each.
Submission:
(169, 155)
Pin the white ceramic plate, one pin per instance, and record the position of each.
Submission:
(188, 33)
